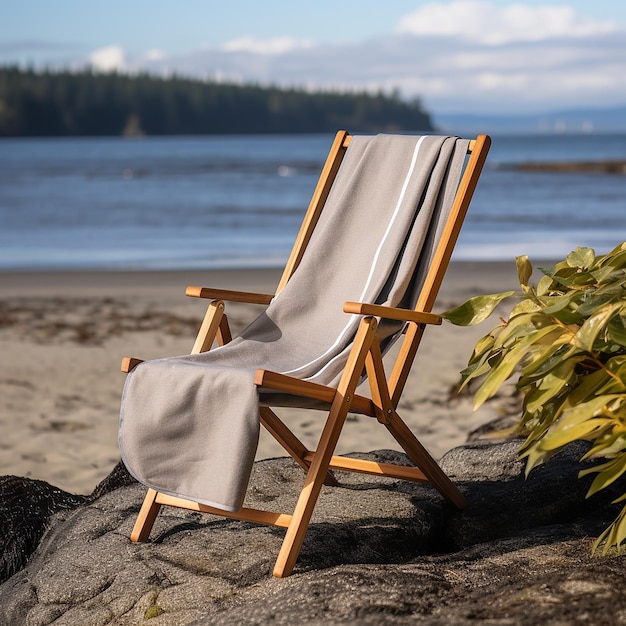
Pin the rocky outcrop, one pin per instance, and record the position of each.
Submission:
(575, 167)
(379, 551)
(26, 507)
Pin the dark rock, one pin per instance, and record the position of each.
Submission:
(26, 507)
(379, 551)
(617, 166)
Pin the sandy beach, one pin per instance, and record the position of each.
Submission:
(63, 335)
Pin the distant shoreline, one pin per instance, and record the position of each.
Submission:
(66, 104)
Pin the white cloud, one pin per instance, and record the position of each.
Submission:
(277, 45)
(486, 22)
(460, 56)
(108, 59)
(154, 54)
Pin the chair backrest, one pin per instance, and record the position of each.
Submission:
(324, 183)
(433, 274)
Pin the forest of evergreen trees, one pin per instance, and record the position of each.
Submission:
(63, 103)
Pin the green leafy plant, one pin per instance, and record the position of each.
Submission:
(566, 338)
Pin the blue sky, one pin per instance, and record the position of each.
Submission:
(481, 56)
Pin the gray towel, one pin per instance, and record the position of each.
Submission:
(189, 425)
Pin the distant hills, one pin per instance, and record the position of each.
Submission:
(84, 103)
(566, 121)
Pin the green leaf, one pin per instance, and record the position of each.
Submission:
(541, 362)
(524, 269)
(554, 304)
(607, 445)
(594, 302)
(602, 540)
(565, 280)
(483, 345)
(565, 435)
(524, 306)
(550, 387)
(620, 531)
(587, 410)
(506, 367)
(520, 326)
(609, 472)
(577, 423)
(472, 372)
(613, 536)
(594, 325)
(544, 285)
(475, 310)
(538, 424)
(616, 257)
(582, 258)
(617, 382)
(535, 457)
(603, 273)
(587, 388)
(616, 330)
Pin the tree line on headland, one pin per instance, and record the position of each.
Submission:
(64, 103)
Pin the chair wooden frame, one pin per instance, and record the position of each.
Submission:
(365, 355)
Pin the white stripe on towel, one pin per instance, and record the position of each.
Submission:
(372, 269)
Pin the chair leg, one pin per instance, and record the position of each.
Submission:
(310, 492)
(147, 514)
(421, 457)
(321, 459)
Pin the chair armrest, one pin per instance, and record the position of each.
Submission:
(229, 295)
(129, 363)
(405, 315)
(304, 388)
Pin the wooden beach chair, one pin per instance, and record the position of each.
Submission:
(365, 361)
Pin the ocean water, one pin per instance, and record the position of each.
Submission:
(237, 201)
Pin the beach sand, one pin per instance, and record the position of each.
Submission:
(63, 335)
